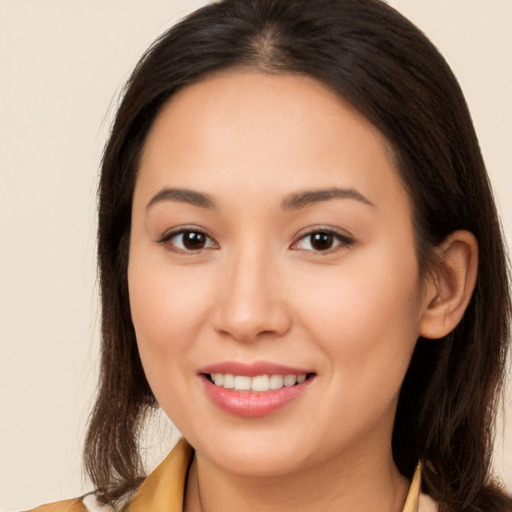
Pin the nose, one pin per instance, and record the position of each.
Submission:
(251, 304)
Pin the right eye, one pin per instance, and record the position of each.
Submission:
(188, 240)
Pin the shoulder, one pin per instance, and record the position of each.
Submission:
(84, 504)
(74, 505)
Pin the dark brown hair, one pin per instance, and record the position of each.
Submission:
(386, 68)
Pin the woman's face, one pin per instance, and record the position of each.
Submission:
(272, 242)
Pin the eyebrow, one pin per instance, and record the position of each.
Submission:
(308, 197)
(183, 195)
(294, 201)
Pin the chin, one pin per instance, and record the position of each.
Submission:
(254, 453)
(259, 462)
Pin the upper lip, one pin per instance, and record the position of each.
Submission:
(253, 369)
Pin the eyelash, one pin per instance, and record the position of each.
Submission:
(167, 237)
(343, 241)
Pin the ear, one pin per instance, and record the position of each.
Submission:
(450, 285)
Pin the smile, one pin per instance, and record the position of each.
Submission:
(254, 390)
(258, 384)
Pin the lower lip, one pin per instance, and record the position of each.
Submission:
(251, 404)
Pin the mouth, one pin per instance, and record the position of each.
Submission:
(254, 390)
(258, 383)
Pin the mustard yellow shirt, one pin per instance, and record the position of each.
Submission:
(164, 489)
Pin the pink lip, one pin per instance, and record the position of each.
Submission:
(251, 404)
(253, 369)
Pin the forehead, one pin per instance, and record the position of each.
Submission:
(268, 133)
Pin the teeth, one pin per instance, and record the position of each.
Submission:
(301, 378)
(276, 381)
(242, 383)
(229, 381)
(260, 383)
(290, 380)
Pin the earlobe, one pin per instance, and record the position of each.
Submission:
(451, 285)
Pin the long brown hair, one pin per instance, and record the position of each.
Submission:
(387, 69)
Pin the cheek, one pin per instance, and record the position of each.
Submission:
(365, 323)
(167, 306)
(365, 317)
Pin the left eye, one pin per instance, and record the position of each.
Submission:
(188, 240)
(321, 241)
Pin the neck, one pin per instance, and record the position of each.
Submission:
(371, 483)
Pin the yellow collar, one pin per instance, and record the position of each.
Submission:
(164, 489)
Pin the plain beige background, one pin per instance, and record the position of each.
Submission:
(62, 66)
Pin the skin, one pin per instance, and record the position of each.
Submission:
(259, 290)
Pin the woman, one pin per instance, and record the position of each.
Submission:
(301, 263)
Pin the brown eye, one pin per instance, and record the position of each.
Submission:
(188, 240)
(193, 240)
(322, 241)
